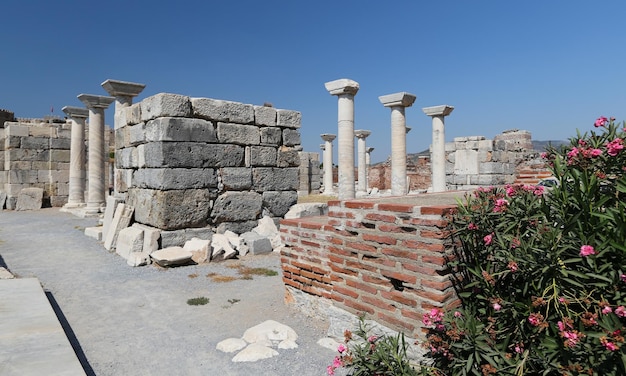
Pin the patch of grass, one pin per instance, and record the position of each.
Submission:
(202, 300)
(219, 278)
(248, 272)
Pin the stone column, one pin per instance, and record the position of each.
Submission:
(398, 102)
(97, 152)
(124, 92)
(368, 157)
(438, 149)
(328, 163)
(76, 196)
(345, 90)
(361, 135)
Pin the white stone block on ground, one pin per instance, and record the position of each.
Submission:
(267, 228)
(112, 202)
(287, 345)
(151, 237)
(199, 249)
(256, 243)
(221, 247)
(29, 199)
(138, 259)
(129, 240)
(254, 352)
(310, 209)
(94, 232)
(230, 345)
(5, 274)
(171, 256)
(270, 330)
(233, 238)
(328, 343)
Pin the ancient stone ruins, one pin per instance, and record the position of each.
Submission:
(182, 179)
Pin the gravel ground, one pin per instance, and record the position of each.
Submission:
(136, 321)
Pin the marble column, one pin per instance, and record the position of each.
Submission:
(438, 148)
(345, 90)
(76, 196)
(368, 157)
(398, 102)
(124, 92)
(97, 152)
(361, 135)
(328, 163)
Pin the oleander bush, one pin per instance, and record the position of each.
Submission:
(541, 274)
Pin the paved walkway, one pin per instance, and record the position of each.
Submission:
(135, 321)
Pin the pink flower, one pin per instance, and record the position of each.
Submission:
(519, 348)
(596, 152)
(337, 362)
(488, 239)
(573, 153)
(620, 311)
(606, 310)
(600, 122)
(341, 348)
(500, 205)
(457, 314)
(614, 147)
(587, 250)
(372, 339)
(472, 226)
(610, 346)
(510, 190)
(539, 190)
(623, 277)
(497, 307)
(535, 319)
(512, 266)
(330, 370)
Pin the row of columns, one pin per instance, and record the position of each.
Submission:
(345, 90)
(122, 93)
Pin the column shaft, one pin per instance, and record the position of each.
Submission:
(438, 159)
(328, 168)
(345, 141)
(398, 151)
(77, 163)
(96, 192)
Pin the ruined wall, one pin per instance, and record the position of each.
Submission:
(417, 171)
(199, 162)
(310, 174)
(474, 161)
(35, 154)
(372, 256)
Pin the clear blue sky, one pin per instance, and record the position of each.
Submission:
(549, 67)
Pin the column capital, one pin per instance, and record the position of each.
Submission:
(342, 86)
(443, 110)
(95, 101)
(362, 133)
(118, 88)
(402, 99)
(76, 112)
(328, 137)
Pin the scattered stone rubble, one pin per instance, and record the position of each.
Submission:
(260, 341)
(141, 244)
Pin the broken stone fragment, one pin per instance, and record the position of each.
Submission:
(199, 249)
(230, 345)
(254, 352)
(256, 243)
(171, 256)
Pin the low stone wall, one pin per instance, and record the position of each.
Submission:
(35, 155)
(199, 162)
(378, 257)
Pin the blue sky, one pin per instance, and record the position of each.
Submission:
(549, 67)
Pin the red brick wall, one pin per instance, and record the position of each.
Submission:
(375, 257)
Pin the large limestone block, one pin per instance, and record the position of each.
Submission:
(240, 134)
(199, 249)
(171, 256)
(121, 219)
(175, 178)
(109, 211)
(288, 118)
(291, 137)
(180, 129)
(129, 240)
(29, 199)
(267, 228)
(288, 157)
(236, 206)
(279, 202)
(265, 116)
(275, 179)
(220, 110)
(171, 210)
(190, 155)
(271, 136)
(165, 104)
(138, 259)
(236, 178)
(263, 156)
(256, 244)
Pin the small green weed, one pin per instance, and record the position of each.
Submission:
(198, 301)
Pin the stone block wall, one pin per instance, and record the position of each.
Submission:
(199, 162)
(474, 161)
(376, 257)
(35, 154)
